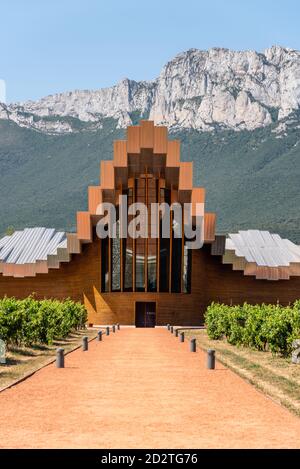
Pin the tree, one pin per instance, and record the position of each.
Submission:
(9, 230)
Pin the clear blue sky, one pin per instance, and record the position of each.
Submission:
(49, 46)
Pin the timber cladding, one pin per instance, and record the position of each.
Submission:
(211, 281)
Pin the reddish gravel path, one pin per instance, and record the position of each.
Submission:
(141, 388)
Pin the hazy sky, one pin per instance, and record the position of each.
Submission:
(48, 46)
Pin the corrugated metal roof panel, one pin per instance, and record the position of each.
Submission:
(264, 249)
(31, 245)
(229, 245)
(51, 247)
(257, 256)
(293, 248)
(237, 239)
(267, 237)
(38, 248)
(62, 242)
(9, 246)
(3, 241)
(245, 252)
(29, 248)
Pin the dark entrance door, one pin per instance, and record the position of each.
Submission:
(145, 314)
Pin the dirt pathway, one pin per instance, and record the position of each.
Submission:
(141, 388)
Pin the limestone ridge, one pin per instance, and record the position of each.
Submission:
(203, 90)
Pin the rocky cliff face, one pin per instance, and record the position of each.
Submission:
(203, 90)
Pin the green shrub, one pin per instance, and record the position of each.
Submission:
(295, 322)
(257, 326)
(237, 316)
(29, 321)
(217, 321)
(279, 329)
(254, 334)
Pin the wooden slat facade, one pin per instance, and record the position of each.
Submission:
(218, 246)
(120, 163)
(133, 140)
(84, 227)
(94, 198)
(160, 141)
(147, 134)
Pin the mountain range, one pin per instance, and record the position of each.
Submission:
(236, 113)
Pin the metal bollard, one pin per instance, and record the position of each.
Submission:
(118, 326)
(114, 328)
(176, 332)
(211, 359)
(60, 358)
(181, 337)
(168, 327)
(107, 330)
(85, 344)
(193, 345)
(171, 329)
(99, 336)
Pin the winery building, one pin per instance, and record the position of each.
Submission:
(152, 281)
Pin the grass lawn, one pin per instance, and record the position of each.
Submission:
(21, 361)
(275, 376)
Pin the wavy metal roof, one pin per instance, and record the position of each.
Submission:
(263, 250)
(31, 245)
(259, 253)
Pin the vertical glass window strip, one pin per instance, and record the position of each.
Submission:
(140, 264)
(164, 263)
(116, 260)
(187, 269)
(128, 253)
(152, 248)
(105, 265)
(128, 263)
(140, 243)
(164, 260)
(176, 262)
(152, 242)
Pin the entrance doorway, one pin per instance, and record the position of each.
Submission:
(145, 314)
